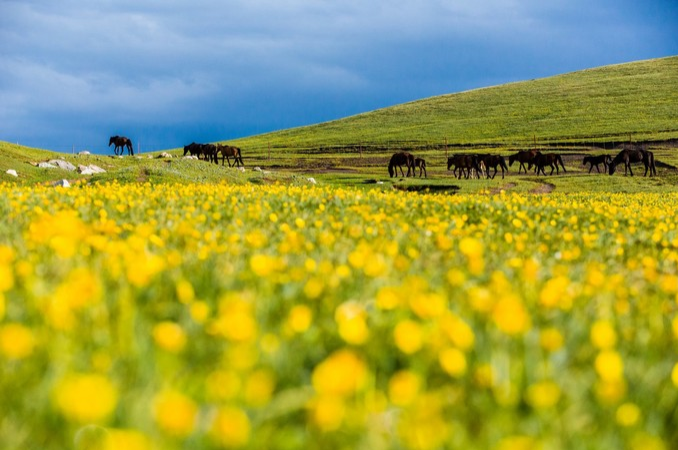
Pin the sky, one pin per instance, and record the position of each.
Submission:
(168, 72)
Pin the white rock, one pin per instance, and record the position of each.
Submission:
(242, 169)
(90, 170)
(61, 183)
(85, 152)
(164, 155)
(189, 157)
(312, 180)
(60, 163)
(12, 172)
(257, 169)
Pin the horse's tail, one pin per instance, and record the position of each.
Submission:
(560, 160)
(237, 149)
(502, 163)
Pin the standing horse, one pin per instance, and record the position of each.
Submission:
(120, 143)
(194, 149)
(421, 164)
(548, 159)
(597, 160)
(398, 160)
(227, 151)
(629, 156)
(523, 157)
(493, 161)
(465, 163)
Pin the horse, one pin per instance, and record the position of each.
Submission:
(596, 160)
(194, 149)
(421, 164)
(210, 152)
(397, 161)
(524, 156)
(629, 156)
(120, 143)
(548, 159)
(463, 163)
(492, 161)
(227, 151)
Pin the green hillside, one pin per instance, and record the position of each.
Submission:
(637, 101)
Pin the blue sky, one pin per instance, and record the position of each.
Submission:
(166, 73)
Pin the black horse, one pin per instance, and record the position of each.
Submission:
(493, 161)
(398, 160)
(120, 143)
(628, 156)
(194, 149)
(524, 157)
(465, 163)
(548, 159)
(421, 164)
(596, 161)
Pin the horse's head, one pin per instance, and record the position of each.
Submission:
(586, 160)
(612, 167)
(112, 140)
(511, 159)
(390, 170)
(449, 163)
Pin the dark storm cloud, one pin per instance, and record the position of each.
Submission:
(170, 72)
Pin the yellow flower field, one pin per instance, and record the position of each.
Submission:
(210, 316)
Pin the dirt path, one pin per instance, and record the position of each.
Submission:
(543, 188)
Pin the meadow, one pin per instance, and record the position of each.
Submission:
(218, 315)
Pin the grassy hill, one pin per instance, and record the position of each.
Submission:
(587, 111)
(637, 100)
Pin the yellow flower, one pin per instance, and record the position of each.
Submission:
(350, 316)
(231, 427)
(16, 341)
(628, 414)
(313, 288)
(175, 413)
(85, 398)
(551, 339)
(510, 316)
(403, 387)
(453, 361)
(470, 247)
(674, 375)
(609, 366)
(542, 395)
(458, 331)
(263, 265)
(603, 335)
(341, 374)
(222, 385)
(185, 292)
(259, 387)
(388, 297)
(553, 291)
(408, 336)
(169, 336)
(518, 442)
(300, 318)
(328, 412)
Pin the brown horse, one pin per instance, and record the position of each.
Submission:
(465, 163)
(398, 160)
(226, 152)
(629, 156)
(493, 161)
(421, 164)
(121, 142)
(596, 161)
(548, 159)
(523, 157)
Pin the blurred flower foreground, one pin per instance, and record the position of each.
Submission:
(214, 316)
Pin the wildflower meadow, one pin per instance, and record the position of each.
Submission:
(213, 316)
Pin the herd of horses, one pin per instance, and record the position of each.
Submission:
(477, 165)
(466, 165)
(208, 152)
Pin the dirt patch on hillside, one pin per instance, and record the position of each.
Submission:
(543, 188)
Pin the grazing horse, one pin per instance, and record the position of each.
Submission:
(398, 160)
(629, 156)
(194, 149)
(465, 164)
(596, 161)
(421, 164)
(524, 156)
(227, 151)
(120, 143)
(492, 161)
(548, 159)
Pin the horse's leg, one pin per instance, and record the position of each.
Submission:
(557, 171)
(630, 169)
